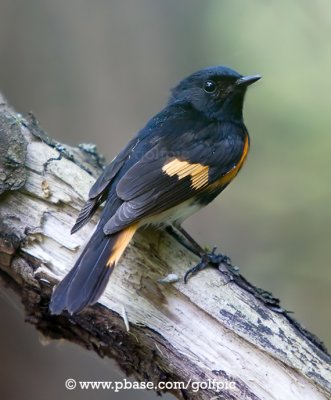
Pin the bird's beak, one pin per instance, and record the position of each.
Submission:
(247, 80)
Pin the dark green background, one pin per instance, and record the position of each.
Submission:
(96, 71)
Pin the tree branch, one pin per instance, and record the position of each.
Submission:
(209, 330)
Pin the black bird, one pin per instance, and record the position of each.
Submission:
(179, 162)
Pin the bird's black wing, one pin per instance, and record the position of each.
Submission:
(133, 151)
(146, 139)
(99, 191)
(176, 169)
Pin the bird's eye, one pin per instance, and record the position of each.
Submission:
(209, 86)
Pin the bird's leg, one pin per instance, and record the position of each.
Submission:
(213, 259)
(178, 233)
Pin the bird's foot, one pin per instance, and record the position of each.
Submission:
(215, 260)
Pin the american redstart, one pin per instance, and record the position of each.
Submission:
(178, 163)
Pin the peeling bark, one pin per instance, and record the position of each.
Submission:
(207, 330)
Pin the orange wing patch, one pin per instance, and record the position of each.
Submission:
(197, 172)
(121, 243)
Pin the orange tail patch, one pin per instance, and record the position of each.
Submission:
(121, 244)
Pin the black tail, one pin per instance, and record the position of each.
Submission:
(85, 283)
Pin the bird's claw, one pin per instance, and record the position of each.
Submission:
(212, 259)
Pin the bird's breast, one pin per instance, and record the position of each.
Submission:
(225, 179)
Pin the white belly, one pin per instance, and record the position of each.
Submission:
(178, 213)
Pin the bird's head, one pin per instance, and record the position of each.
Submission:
(218, 92)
